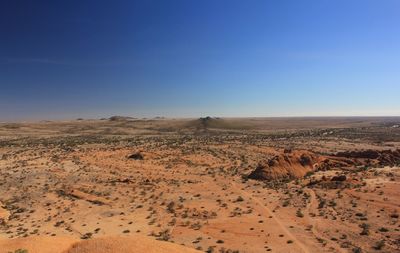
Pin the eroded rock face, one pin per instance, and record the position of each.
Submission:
(136, 156)
(382, 158)
(287, 165)
(367, 154)
(339, 178)
(296, 164)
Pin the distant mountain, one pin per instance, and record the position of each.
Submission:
(216, 123)
(120, 118)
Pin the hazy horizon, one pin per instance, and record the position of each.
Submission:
(133, 117)
(189, 59)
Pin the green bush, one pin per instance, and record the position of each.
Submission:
(19, 251)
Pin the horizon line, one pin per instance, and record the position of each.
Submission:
(193, 117)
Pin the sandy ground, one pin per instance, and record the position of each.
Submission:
(111, 244)
(73, 182)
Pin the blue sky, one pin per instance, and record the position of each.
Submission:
(180, 58)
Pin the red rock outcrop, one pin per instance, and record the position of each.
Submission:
(296, 164)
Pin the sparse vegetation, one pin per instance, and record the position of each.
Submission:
(19, 251)
(191, 182)
(379, 245)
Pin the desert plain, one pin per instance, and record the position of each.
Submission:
(124, 184)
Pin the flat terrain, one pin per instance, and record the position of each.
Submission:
(84, 183)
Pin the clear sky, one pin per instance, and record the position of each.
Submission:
(190, 58)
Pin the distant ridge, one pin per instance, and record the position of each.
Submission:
(120, 118)
(208, 122)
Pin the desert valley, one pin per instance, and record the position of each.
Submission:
(200, 185)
